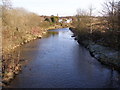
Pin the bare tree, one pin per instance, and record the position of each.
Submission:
(91, 17)
(111, 13)
(118, 14)
(7, 3)
(82, 19)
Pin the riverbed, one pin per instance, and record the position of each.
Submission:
(58, 61)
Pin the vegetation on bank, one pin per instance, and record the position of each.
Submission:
(20, 26)
(100, 35)
(104, 30)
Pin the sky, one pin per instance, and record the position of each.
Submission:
(60, 7)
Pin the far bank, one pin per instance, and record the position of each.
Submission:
(105, 55)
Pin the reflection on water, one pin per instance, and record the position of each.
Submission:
(58, 61)
(50, 33)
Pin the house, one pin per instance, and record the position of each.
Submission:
(65, 20)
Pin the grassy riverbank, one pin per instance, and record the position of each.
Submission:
(107, 52)
(19, 27)
(11, 59)
(100, 34)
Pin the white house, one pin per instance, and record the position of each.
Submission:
(65, 20)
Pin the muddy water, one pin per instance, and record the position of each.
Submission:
(58, 61)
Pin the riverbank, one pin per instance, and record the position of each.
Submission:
(11, 61)
(52, 64)
(105, 55)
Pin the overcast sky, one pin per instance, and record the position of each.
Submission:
(60, 7)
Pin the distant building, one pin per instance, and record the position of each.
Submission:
(69, 20)
(65, 20)
(60, 20)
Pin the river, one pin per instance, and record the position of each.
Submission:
(58, 61)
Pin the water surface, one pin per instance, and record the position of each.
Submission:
(58, 61)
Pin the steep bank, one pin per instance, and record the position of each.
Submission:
(11, 62)
(104, 54)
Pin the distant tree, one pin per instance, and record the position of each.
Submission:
(48, 19)
(111, 12)
(82, 20)
(91, 18)
(54, 19)
(118, 14)
(7, 3)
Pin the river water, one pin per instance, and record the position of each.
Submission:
(58, 61)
